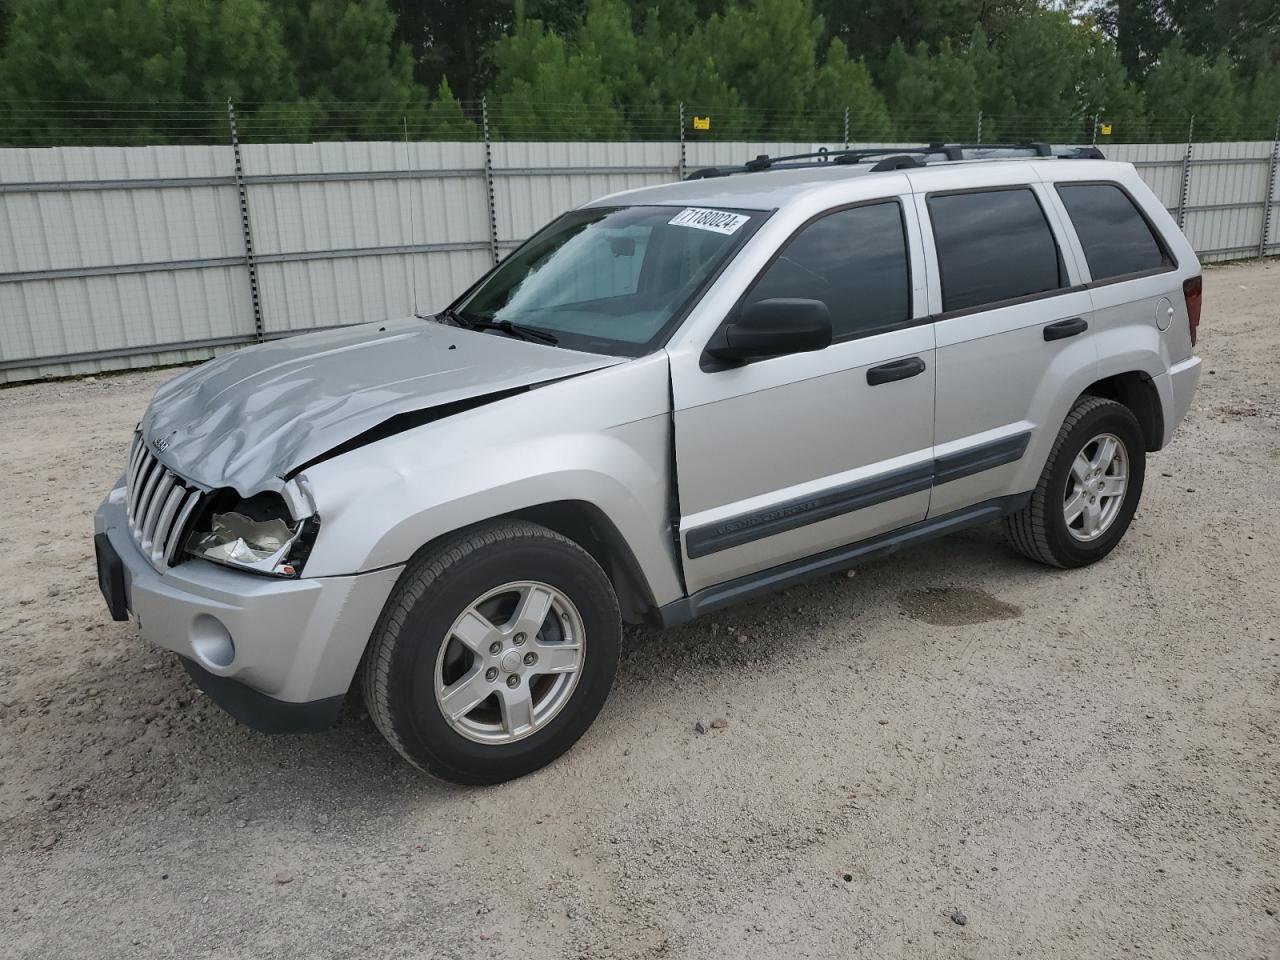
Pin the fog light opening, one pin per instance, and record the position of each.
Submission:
(211, 642)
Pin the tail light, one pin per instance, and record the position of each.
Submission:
(1193, 289)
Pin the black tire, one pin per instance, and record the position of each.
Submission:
(1039, 530)
(399, 668)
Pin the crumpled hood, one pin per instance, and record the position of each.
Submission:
(248, 418)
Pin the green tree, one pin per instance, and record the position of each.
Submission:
(1182, 85)
(932, 96)
(1040, 78)
(765, 50)
(1248, 31)
(606, 36)
(189, 55)
(452, 38)
(841, 84)
(544, 88)
(355, 80)
(444, 118)
(870, 27)
(1105, 91)
(1263, 104)
(1140, 29)
(1049, 80)
(683, 69)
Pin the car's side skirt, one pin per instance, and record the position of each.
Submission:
(797, 571)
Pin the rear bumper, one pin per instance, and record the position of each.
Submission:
(1176, 389)
(290, 644)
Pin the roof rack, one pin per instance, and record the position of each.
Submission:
(898, 158)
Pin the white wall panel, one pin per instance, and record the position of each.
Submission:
(360, 204)
(723, 154)
(328, 293)
(1233, 177)
(49, 318)
(344, 214)
(526, 202)
(1159, 164)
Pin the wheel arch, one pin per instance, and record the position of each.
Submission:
(1136, 390)
(590, 528)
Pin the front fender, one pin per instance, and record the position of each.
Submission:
(576, 440)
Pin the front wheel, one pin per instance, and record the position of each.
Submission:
(1089, 489)
(494, 654)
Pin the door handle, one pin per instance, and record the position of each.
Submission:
(898, 370)
(1066, 328)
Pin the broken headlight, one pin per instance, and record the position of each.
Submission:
(258, 534)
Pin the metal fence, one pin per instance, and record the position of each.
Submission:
(114, 257)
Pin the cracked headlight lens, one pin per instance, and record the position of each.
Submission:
(256, 534)
(237, 539)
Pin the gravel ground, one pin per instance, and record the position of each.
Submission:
(953, 753)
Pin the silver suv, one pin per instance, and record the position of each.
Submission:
(667, 401)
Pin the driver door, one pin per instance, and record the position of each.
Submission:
(788, 456)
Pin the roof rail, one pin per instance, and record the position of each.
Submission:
(898, 158)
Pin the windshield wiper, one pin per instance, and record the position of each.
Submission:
(513, 330)
(518, 330)
(447, 315)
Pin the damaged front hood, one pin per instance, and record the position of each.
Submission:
(246, 419)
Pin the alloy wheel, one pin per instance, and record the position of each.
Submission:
(1096, 487)
(510, 663)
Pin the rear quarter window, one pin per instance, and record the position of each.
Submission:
(993, 246)
(1116, 237)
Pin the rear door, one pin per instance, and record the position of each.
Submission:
(1012, 329)
(1140, 320)
(788, 456)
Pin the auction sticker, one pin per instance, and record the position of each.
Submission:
(717, 221)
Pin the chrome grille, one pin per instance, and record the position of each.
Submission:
(159, 505)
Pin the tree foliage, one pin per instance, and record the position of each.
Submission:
(770, 69)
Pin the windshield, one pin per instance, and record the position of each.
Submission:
(609, 280)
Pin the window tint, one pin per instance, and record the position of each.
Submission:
(1115, 237)
(992, 246)
(853, 260)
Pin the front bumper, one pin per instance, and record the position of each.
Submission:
(277, 654)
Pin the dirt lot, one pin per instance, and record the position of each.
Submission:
(1083, 764)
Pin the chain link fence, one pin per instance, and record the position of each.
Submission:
(41, 123)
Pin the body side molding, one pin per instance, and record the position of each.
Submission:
(802, 511)
(985, 456)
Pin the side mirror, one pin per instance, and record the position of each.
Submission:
(771, 328)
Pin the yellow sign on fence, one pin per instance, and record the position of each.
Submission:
(702, 123)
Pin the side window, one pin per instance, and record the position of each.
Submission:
(993, 245)
(1115, 236)
(853, 260)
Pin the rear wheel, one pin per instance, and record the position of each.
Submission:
(494, 654)
(1089, 489)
